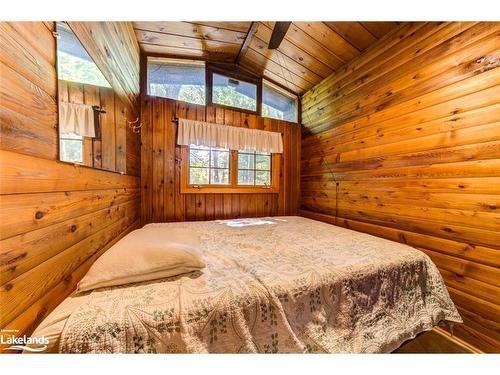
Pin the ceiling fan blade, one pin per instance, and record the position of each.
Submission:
(279, 31)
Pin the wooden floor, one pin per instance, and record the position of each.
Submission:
(436, 341)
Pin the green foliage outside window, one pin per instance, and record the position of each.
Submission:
(75, 69)
(230, 97)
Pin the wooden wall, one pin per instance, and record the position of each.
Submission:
(161, 162)
(55, 218)
(411, 131)
(110, 151)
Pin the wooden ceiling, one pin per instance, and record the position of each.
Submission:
(310, 51)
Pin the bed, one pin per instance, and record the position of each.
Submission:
(271, 285)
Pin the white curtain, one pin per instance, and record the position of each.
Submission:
(201, 133)
(77, 119)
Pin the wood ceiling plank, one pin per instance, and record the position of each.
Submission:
(379, 29)
(261, 47)
(234, 26)
(329, 39)
(209, 55)
(278, 69)
(354, 33)
(192, 30)
(298, 37)
(259, 70)
(294, 52)
(161, 39)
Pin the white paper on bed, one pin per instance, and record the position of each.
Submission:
(285, 284)
(145, 255)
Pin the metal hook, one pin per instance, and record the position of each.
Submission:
(136, 129)
(130, 123)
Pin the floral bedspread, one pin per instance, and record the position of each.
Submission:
(271, 285)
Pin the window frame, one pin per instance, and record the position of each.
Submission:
(275, 87)
(210, 168)
(254, 155)
(225, 69)
(174, 60)
(232, 187)
(65, 137)
(237, 74)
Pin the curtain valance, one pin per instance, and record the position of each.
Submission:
(77, 119)
(201, 133)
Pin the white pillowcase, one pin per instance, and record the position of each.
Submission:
(142, 255)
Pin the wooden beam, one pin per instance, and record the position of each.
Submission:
(244, 46)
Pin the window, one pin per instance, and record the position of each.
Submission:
(73, 62)
(278, 104)
(71, 148)
(232, 92)
(208, 165)
(177, 79)
(218, 170)
(254, 168)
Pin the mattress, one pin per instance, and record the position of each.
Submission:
(280, 284)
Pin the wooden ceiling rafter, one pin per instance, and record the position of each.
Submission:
(246, 42)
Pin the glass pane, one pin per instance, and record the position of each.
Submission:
(199, 158)
(262, 178)
(72, 151)
(199, 147)
(245, 177)
(177, 79)
(263, 162)
(73, 62)
(219, 176)
(245, 161)
(198, 176)
(71, 136)
(278, 104)
(234, 93)
(220, 159)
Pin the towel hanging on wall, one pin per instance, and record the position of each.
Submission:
(77, 119)
(202, 133)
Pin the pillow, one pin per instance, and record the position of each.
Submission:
(142, 255)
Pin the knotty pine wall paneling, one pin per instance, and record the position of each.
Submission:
(411, 131)
(161, 165)
(55, 218)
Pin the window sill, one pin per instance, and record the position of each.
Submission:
(228, 190)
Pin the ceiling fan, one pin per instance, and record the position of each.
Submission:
(279, 32)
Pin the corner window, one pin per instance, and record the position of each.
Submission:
(232, 92)
(278, 104)
(177, 79)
